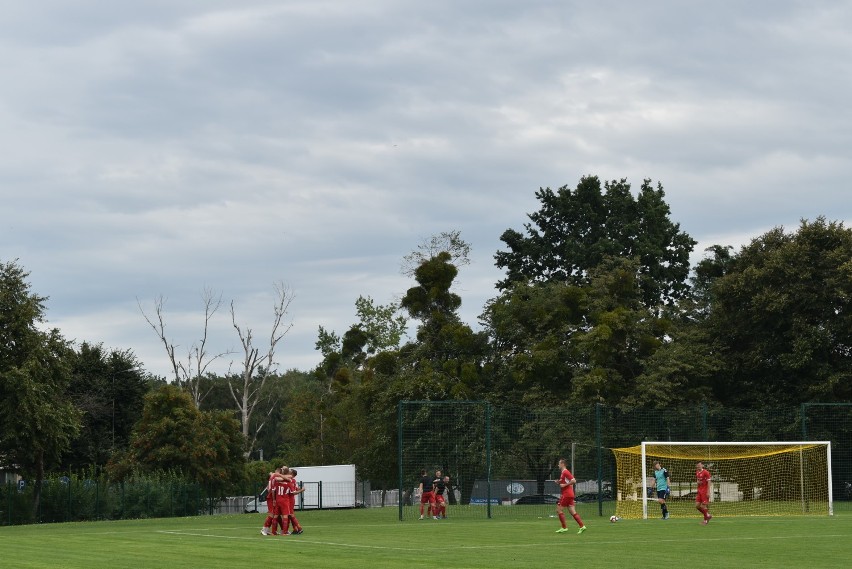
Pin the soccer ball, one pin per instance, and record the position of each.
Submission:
(614, 519)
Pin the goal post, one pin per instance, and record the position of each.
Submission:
(748, 478)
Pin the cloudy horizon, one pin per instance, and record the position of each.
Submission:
(164, 148)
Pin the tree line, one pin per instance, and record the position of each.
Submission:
(598, 304)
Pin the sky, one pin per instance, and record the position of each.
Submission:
(161, 148)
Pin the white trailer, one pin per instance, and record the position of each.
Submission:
(326, 486)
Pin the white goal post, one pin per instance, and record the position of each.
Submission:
(748, 478)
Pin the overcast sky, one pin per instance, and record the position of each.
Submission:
(164, 147)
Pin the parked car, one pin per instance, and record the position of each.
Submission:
(593, 496)
(256, 506)
(536, 499)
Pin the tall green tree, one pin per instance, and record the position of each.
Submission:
(578, 343)
(447, 359)
(205, 446)
(619, 336)
(576, 229)
(383, 325)
(531, 327)
(108, 387)
(782, 318)
(37, 421)
(334, 418)
(681, 372)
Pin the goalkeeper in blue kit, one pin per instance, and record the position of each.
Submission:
(663, 482)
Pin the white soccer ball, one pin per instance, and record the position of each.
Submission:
(614, 519)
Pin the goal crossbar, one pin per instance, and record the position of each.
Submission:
(754, 478)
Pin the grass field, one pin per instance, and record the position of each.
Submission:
(374, 538)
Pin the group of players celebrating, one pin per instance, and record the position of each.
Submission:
(281, 490)
(432, 490)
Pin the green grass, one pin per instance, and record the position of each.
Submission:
(374, 538)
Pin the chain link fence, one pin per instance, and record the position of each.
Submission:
(495, 457)
(506, 456)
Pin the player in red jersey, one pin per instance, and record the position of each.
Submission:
(290, 513)
(282, 504)
(567, 482)
(702, 497)
(275, 479)
(440, 486)
(426, 494)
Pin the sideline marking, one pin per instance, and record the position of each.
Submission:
(294, 540)
(555, 543)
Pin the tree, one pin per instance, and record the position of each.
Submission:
(531, 327)
(383, 326)
(782, 318)
(205, 446)
(575, 230)
(279, 392)
(449, 242)
(581, 343)
(618, 336)
(247, 388)
(377, 333)
(335, 417)
(349, 411)
(188, 373)
(682, 370)
(37, 421)
(446, 361)
(707, 271)
(108, 387)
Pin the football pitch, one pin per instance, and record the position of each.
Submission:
(374, 538)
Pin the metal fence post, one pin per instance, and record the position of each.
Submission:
(399, 456)
(599, 444)
(488, 453)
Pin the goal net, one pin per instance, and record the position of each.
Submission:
(748, 479)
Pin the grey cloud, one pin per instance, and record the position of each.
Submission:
(163, 147)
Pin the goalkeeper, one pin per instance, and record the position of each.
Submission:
(664, 483)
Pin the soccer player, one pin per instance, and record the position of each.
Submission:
(291, 506)
(702, 497)
(661, 476)
(426, 494)
(440, 486)
(276, 478)
(282, 502)
(567, 482)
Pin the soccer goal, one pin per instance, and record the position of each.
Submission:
(748, 479)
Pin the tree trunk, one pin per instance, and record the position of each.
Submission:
(38, 481)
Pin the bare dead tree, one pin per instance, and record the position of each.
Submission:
(187, 373)
(246, 388)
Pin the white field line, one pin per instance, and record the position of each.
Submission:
(557, 543)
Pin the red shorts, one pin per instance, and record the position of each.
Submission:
(283, 506)
(702, 498)
(565, 501)
(439, 498)
(427, 498)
